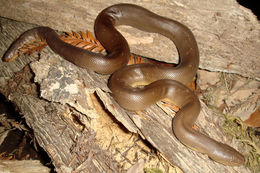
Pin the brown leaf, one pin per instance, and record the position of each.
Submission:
(254, 119)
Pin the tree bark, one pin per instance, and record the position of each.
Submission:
(55, 98)
(24, 166)
(227, 33)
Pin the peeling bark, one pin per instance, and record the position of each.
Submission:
(54, 97)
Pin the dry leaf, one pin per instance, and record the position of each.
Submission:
(254, 119)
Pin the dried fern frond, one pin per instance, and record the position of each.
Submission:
(135, 59)
(84, 40)
(28, 49)
(79, 39)
(31, 47)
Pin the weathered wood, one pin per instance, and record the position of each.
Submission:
(227, 33)
(63, 96)
(24, 166)
(70, 145)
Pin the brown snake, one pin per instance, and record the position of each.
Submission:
(160, 81)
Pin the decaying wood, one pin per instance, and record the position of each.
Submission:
(70, 145)
(24, 166)
(54, 97)
(227, 33)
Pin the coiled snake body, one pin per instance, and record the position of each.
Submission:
(160, 81)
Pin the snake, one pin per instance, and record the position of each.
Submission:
(138, 86)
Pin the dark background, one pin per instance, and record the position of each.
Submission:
(253, 5)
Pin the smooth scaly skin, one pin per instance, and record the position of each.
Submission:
(160, 81)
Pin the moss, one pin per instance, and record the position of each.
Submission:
(152, 170)
(236, 128)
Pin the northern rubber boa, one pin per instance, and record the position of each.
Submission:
(161, 82)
